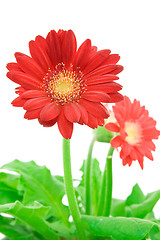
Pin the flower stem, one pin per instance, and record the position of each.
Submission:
(88, 174)
(104, 206)
(70, 190)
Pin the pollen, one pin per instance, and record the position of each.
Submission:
(63, 85)
(134, 133)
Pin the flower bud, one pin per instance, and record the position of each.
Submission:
(102, 134)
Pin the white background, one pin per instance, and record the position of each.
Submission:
(130, 28)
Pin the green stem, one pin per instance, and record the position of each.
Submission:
(70, 190)
(104, 205)
(88, 174)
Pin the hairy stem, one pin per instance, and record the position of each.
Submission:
(105, 200)
(70, 190)
(88, 174)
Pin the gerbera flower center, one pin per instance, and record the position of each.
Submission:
(63, 85)
(133, 131)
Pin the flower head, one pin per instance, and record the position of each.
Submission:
(136, 131)
(63, 85)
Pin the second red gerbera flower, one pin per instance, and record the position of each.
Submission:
(59, 83)
(136, 131)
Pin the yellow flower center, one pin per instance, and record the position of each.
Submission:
(63, 86)
(134, 133)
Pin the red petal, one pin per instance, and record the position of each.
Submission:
(23, 79)
(35, 103)
(96, 60)
(84, 114)
(101, 122)
(49, 123)
(145, 152)
(125, 150)
(13, 66)
(112, 127)
(112, 59)
(82, 54)
(50, 111)
(20, 90)
(65, 127)
(32, 114)
(116, 142)
(109, 87)
(41, 41)
(117, 70)
(149, 155)
(119, 118)
(149, 144)
(69, 47)
(94, 48)
(80, 122)
(33, 94)
(139, 157)
(151, 134)
(18, 102)
(72, 112)
(28, 65)
(136, 109)
(54, 47)
(61, 34)
(140, 160)
(105, 69)
(96, 96)
(42, 45)
(115, 97)
(92, 121)
(96, 109)
(127, 108)
(39, 55)
(123, 133)
(101, 79)
(127, 160)
(133, 154)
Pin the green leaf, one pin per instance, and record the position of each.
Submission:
(142, 209)
(119, 228)
(10, 180)
(9, 191)
(154, 234)
(150, 216)
(39, 185)
(62, 230)
(16, 231)
(136, 196)
(118, 208)
(33, 216)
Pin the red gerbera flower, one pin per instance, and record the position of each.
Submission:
(136, 131)
(59, 83)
